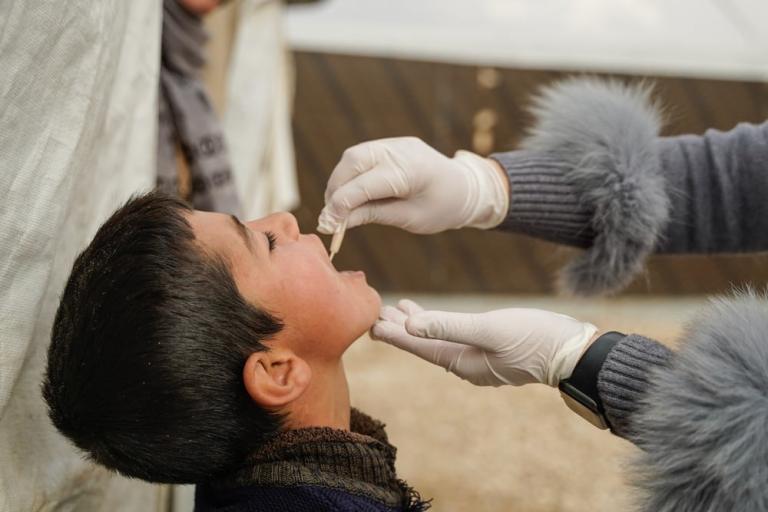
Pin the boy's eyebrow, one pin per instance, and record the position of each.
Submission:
(243, 231)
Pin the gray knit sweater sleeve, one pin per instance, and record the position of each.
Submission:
(624, 378)
(595, 174)
(718, 189)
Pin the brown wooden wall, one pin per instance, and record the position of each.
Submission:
(343, 100)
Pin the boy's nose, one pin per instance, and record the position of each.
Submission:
(283, 224)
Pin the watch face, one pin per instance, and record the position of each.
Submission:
(582, 405)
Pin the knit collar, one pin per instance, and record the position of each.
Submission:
(359, 461)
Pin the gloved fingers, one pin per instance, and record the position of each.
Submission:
(464, 328)
(381, 182)
(472, 365)
(399, 314)
(387, 212)
(409, 307)
(327, 222)
(354, 161)
(436, 352)
(392, 314)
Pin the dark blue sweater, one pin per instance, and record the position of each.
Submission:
(306, 497)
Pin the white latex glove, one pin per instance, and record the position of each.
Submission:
(404, 182)
(508, 346)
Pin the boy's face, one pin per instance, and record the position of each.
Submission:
(323, 311)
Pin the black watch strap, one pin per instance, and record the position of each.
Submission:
(584, 376)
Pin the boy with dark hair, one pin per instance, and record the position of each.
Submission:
(192, 348)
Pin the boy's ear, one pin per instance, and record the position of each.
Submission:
(275, 378)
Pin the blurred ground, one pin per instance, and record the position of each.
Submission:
(498, 449)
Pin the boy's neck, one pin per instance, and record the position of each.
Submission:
(325, 403)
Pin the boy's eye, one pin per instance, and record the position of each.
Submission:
(271, 238)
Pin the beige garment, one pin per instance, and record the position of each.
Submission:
(78, 114)
(221, 25)
(249, 74)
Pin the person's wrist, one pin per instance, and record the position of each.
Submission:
(570, 353)
(577, 355)
(488, 189)
(589, 343)
(501, 173)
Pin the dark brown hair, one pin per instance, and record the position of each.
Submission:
(147, 350)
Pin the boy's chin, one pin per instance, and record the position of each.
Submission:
(375, 309)
(375, 303)
(362, 314)
(367, 301)
(361, 333)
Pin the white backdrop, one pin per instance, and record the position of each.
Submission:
(78, 118)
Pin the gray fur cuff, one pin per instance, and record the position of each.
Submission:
(605, 132)
(703, 424)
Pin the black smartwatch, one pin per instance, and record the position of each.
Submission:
(580, 390)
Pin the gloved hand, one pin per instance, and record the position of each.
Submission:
(508, 346)
(404, 182)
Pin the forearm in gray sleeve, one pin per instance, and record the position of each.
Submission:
(718, 189)
(595, 174)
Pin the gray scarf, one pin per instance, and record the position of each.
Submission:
(187, 118)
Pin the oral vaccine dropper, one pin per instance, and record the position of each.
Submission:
(338, 238)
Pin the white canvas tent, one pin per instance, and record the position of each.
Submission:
(704, 38)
